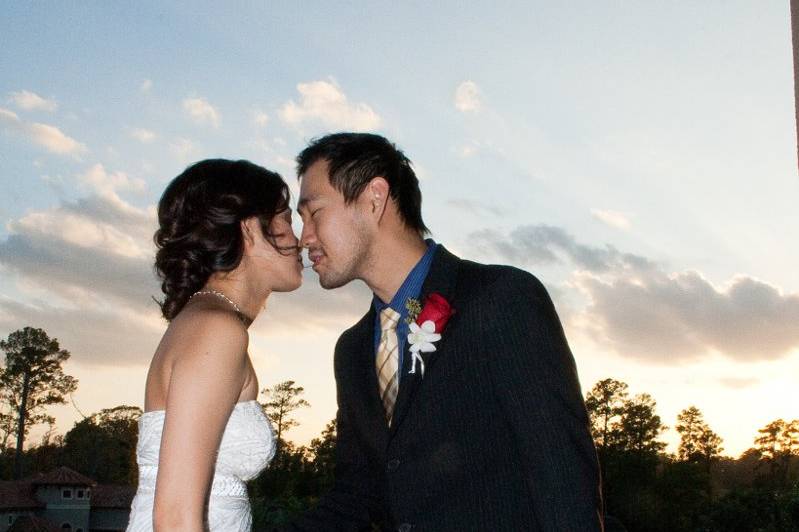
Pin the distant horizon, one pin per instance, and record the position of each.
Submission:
(640, 161)
(670, 436)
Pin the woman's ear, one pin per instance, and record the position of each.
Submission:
(250, 230)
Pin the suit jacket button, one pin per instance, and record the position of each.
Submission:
(404, 527)
(392, 465)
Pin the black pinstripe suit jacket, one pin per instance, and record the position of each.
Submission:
(495, 435)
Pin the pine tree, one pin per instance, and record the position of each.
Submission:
(281, 400)
(32, 379)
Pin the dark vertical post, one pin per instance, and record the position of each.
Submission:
(795, 33)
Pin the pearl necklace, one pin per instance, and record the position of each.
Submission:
(218, 294)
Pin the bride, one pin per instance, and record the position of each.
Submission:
(225, 243)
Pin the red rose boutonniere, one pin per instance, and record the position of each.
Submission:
(427, 328)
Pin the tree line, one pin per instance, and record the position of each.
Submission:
(644, 488)
(695, 488)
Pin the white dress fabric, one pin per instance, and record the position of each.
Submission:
(248, 444)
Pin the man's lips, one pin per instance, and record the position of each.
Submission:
(315, 257)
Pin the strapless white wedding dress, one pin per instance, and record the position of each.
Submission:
(248, 444)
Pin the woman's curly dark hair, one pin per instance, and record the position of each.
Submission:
(199, 218)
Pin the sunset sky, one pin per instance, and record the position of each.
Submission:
(639, 159)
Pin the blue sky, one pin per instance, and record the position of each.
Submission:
(639, 159)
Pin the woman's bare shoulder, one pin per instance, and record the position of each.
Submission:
(213, 337)
(203, 342)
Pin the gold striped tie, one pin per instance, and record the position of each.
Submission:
(387, 363)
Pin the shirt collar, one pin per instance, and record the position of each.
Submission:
(412, 286)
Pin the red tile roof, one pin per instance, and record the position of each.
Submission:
(63, 476)
(31, 523)
(17, 495)
(112, 496)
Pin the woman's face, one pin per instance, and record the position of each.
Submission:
(281, 263)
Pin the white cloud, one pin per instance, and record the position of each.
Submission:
(477, 208)
(118, 336)
(201, 111)
(681, 316)
(146, 86)
(89, 264)
(45, 135)
(545, 244)
(640, 310)
(78, 231)
(105, 184)
(467, 97)
(259, 118)
(313, 308)
(184, 149)
(54, 139)
(31, 101)
(288, 164)
(72, 253)
(9, 117)
(738, 382)
(323, 102)
(142, 135)
(101, 220)
(468, 149)
(90, 260)
(615, 219)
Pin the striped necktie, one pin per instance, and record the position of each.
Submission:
(387, 363)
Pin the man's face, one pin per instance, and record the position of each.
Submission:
(336, 234)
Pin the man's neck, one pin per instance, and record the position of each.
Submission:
(393, 261)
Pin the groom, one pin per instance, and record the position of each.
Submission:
(459, 406)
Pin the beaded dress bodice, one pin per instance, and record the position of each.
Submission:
(248, 444)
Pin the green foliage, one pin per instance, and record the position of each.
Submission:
(605, 404)
(690, 425)
(7, 419)
(294, 481)
(297, 476)
(777, 443)
(698, 443)
(683, 490)
(281, 400)
(269, 513)
(759, 509)
(645, 489)
(31, 380)
(103, 446)
(698, 490)
(639, 427)
(33, 368)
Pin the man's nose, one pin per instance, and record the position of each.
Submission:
(307, 236)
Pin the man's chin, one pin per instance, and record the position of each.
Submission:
(331, 282)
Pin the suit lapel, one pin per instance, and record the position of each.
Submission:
(441, 279)
(365, 393)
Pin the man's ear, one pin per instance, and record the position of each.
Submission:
(377, 194)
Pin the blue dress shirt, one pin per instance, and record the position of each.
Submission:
(410, 288)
